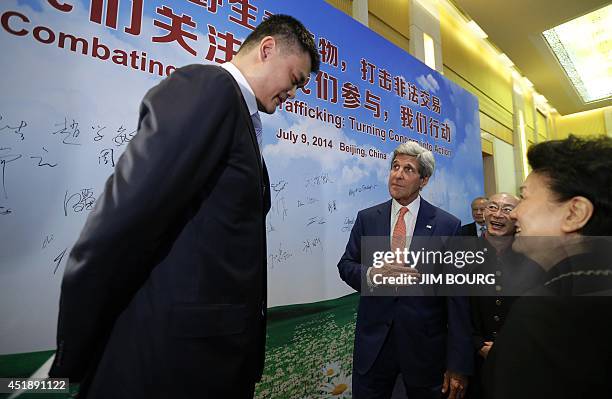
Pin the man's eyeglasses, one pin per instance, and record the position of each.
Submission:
(493, 208)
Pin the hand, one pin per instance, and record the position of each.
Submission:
(456, 382)
(484, 351)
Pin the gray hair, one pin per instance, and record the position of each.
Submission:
(514, 197)
(427, 163)
(480, 198)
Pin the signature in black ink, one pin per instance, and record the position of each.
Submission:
(348, 224)
(318, 180)
(107, 156)
(5, 158)
(122, 137)
(5, 211)
(362, 188)
(40, 160)
(58, 260)
(70, 131)
(309, 201)
(97, 130)
(279, 208)
(47, 241)
(278, 187)
(270, 227)
(16, 129)
(331, 206)
(316, 220)
(83, 200)
(279, 256)
(309, 245)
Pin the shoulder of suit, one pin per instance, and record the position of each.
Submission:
(374, 210)
(440, 214)
(200, 68)
(207, 74)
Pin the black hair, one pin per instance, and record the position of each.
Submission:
(579, 167)
(290, 31)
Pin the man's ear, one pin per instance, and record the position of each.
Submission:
(267, 45)
(424, 182)
(579, 211)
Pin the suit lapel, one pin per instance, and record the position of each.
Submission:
(247, 119)
(425, 223)
(383, 220)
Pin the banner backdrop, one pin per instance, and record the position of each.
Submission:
(74, 72)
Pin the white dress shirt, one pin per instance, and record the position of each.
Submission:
(480, 230)
(249, 96)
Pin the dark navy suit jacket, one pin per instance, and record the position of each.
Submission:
(437, 330)
(164, 293)
(469, 229)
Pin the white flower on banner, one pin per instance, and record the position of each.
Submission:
(339, 387)
(331, 369)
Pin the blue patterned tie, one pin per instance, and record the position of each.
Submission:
(482, 230)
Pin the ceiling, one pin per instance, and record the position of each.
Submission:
(515, 27)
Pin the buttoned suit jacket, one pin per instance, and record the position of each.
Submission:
(164, 293)
(540, 352)
(437, 329)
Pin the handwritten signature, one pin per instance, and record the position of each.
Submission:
(309, 201)
(309, 244)
(348, 224)
(83, 200)
(362, 188)
(318, 180)
(107, 156)
(278, 187)
(279, 256)
(18, 130)
(122, 137)
(5, 158)
(40, 160)
(316, 220)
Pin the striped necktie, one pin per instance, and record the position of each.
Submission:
(399, 231)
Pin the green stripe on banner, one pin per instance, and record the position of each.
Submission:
(22, 364)
(308, 354)
(309, 350)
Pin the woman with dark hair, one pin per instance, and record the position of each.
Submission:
(559, 344)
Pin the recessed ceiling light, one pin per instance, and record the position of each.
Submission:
(477, 29)
(505, 60)
(583, 47)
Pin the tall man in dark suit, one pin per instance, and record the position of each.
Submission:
(164, 293)
(478, 226)
(427, 338)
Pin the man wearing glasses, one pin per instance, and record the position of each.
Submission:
(514, 274)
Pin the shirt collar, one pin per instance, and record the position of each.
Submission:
(245, 88)
(413, 207)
